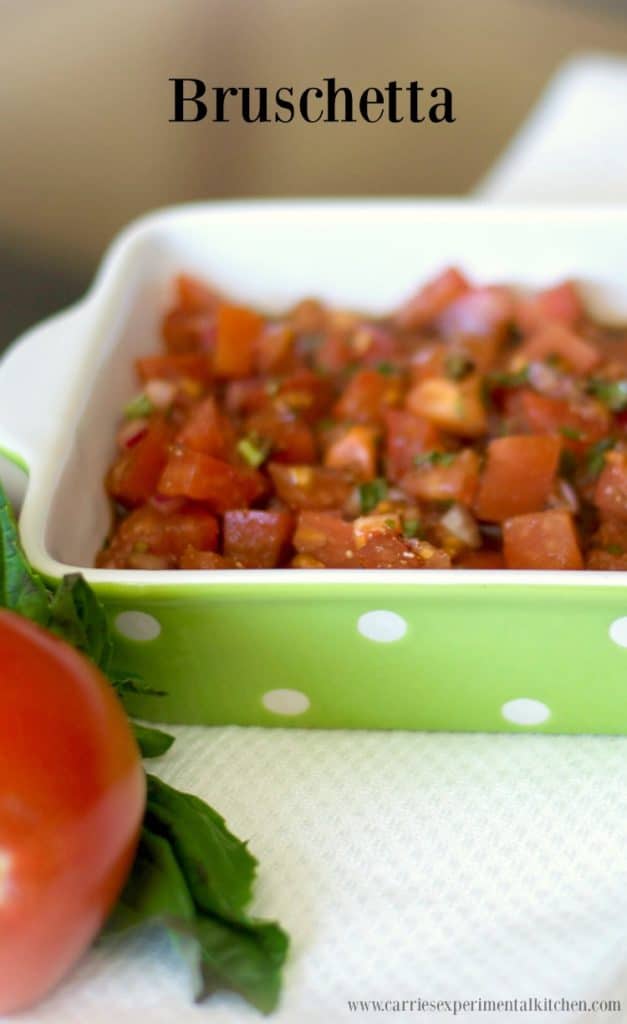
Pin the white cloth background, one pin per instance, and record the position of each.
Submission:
(409, 865)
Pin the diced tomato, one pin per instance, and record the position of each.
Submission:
(238, 329)
(367, 527)
(204, 478)
(356, 449)
(207, 430)
(291, 438)
(432, 299)
(257, 538)
(610, 495)
(365, 397)
(274, 349)
(541, 540)
(455, 406)
(194, 296)
(334, 353)
(134, 476)
(148, 531)
(406, 437)
(193, 559)
(326, 537)
(481, 560)
(306, 393)
(311, 486)
(249, 395)
(428, 360)
(561, 304)
(388, 552)
(373, 344)
(308, 317)
(482, 312)
(191, 364)
(555, 340)
(579, 425)
(518, 476)
(456, 480)
(186, 332)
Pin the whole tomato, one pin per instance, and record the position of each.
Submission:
(72, 793)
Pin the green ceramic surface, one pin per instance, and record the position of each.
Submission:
(466, 652)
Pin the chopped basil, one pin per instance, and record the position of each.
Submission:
(386, 369)
(568, 464)
(138, 407)
(515, 379)
(595, 456)
(612, 393)
(435, 458)
(371, 493)
(411, 528)
(615, 549)
(571, 433)
(254, 450)
(390, 523)
(514, 335)
(458, 365)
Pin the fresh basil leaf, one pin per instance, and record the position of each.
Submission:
(151, 742)
(219, 867)
(156, 893)
(246, 959)
(125, 683)
(78, 617)
(238, 952)
(155, 889)
(21, 589)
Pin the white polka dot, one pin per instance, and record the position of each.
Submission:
(618, 631)
(137, 625)
(525, 711)
(285, 702)
(383, 627)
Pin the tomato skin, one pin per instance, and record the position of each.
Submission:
(72, 801)
(238, 329)
(310, 486)
(454, 406)
(455, 482)
(201, 477)
(207, 430)
(432, 299)
(133, 478)
(559, 304)
(540, 414)
(541, 540)
(407, 436)
(257, 538)
(365, 397)
(556, 340)
(610, 495)
(174, 367)
(518, 476)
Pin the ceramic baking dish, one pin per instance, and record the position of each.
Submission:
(467, 650)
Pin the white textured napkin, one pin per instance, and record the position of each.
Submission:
(411, 866)
(403, 866)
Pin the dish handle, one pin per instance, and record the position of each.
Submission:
(33, 371)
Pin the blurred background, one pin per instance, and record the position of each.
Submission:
(85, 143)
